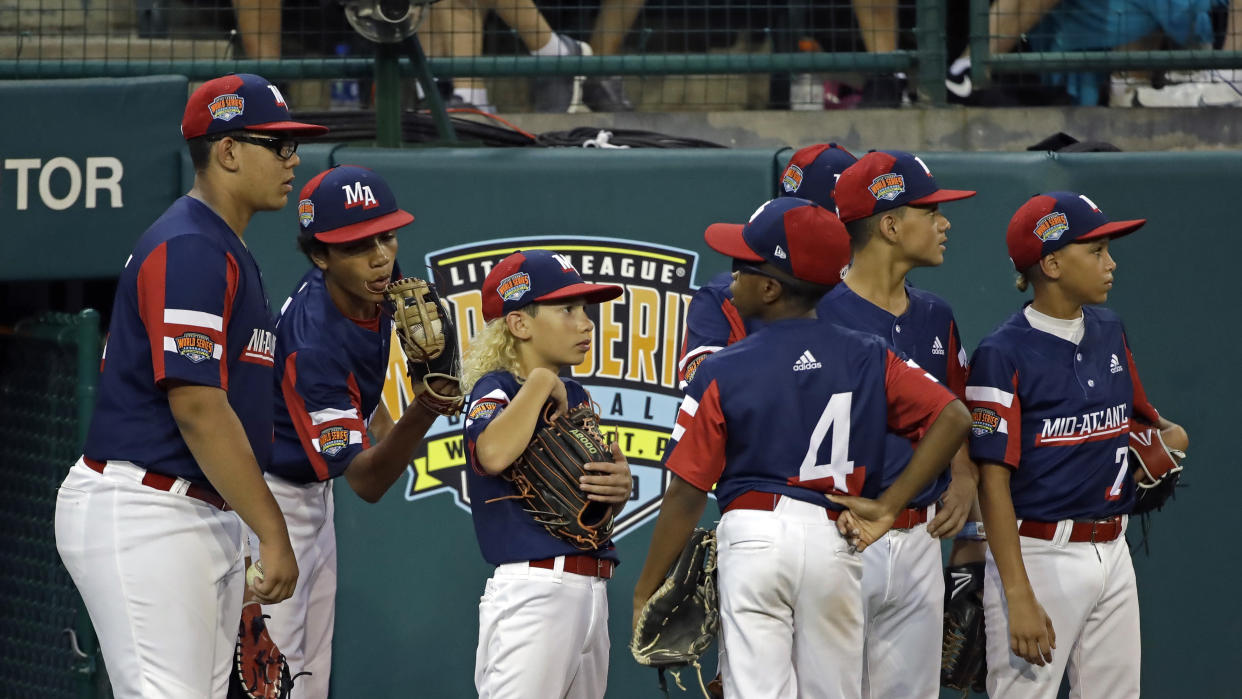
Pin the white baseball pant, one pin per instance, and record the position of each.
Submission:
(1089, 592)
(903, 608)
(542, 633)
(790, 604)
(301, 626)
(161, 576)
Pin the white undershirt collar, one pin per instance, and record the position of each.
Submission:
(1068, 330)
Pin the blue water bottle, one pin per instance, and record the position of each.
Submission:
(345, 92)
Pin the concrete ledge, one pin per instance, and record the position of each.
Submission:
(947, 129)
(120, 48)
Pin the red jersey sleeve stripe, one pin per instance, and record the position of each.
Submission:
(151, 284)
(698, 457)
(1143, 409)
(232, 275)
(355, 399)
(301, 419)
(1013, 416)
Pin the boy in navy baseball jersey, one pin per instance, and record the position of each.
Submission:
(890, 204)
(712, 323)
(332, 355)
(543, 617)
(787, 425)
(1053, 393)
(145, 521)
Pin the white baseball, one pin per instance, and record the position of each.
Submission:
(254, 573)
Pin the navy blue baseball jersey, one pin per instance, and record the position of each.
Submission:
(1059, 415)
(799, 408)
(712, 323)
(506, 532)
(190, 308)
(926, 333)
(330, 373)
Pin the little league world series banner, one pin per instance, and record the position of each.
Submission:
(630, 372)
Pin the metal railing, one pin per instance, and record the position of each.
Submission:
(741, 48)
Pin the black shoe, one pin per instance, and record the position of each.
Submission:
(558, 94)
(606, 94)
(884, 91)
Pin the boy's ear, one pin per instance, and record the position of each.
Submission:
(1050, 265)
(519, 324)
(771, 290)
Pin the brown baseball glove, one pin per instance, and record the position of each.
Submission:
(259, 668)
(429, 341)
(546, 477)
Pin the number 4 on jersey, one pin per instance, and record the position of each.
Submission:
(834, 419)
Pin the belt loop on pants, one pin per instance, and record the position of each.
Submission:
(159, 481)
(766, 502)
(579, 564)
(1096, 531)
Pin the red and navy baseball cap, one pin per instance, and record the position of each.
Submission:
(1048, 222)
(886, 179)
(797, 236)
(348, 203)
(238, 102)
(812, 173)
(528, 276)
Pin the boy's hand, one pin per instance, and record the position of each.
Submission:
(864, 520)
(614, 483)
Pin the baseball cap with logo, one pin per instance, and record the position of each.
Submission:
(238, 102)
(812, 173)
(797, 236)
(347, 203)
(529, 276)
(1048, 222)
(884, 180)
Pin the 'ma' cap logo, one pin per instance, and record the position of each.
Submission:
(514, 286)
(227, 107)
(888, 186)
(566, 265)
(792, 179)
(359, 194)
(280, 99)
(306, 212)
(1051, 227)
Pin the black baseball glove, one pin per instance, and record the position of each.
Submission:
(963, 659)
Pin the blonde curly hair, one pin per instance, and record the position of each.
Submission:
(493, 349)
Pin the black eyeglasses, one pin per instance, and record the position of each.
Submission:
(284, 148)
(744, 268)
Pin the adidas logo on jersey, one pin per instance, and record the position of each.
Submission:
(806, 362)
(937, 348)
(780, 252)
(1114, 365)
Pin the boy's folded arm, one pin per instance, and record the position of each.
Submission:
(506, 436)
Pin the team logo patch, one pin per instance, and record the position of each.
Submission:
(333, 439)
(792, 179)
(483, 409)
(306, 212)
(227, 107)
(693, 367)
(1051, 227)
(195, 347)
(984, 421)
(887, 187)
(514, 287)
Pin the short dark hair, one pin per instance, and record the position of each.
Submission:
(310, 245)
(803, 294)
(200, 148)
(862, 229)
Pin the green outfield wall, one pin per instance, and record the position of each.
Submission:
(410, 572)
